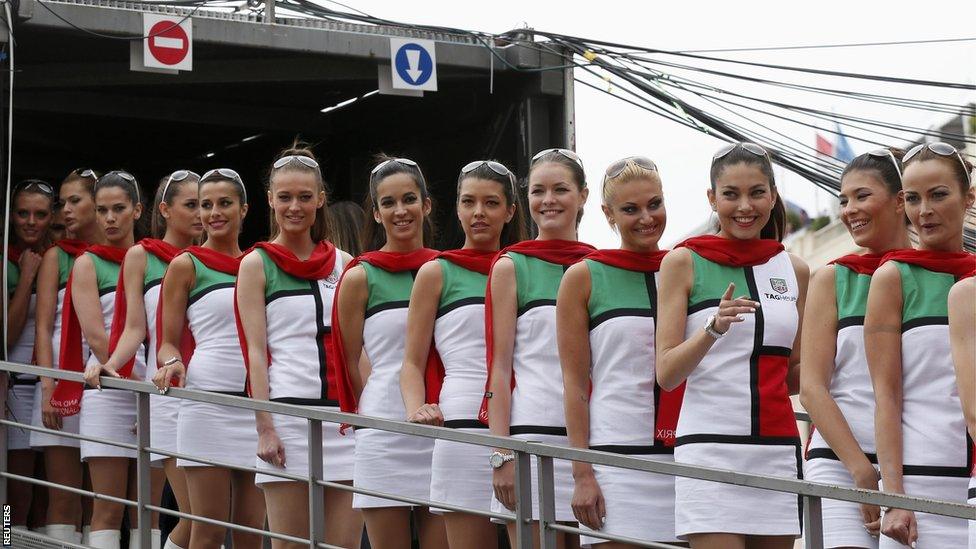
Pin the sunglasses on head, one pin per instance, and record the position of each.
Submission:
(885, 153)
(496, 167)
(128, 177)
(228, 174)
(748, 147)
(41, 186)
(177, 176)
(85, 172)
(403, 161)
(942, 149)
(562, 152)
(285, 160)
(618, 167)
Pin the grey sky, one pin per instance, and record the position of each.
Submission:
(608, 129)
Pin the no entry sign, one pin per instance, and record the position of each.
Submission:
(168, 42)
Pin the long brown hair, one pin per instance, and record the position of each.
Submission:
(775, 227)
(374, 236)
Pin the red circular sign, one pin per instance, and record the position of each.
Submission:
(168, 42)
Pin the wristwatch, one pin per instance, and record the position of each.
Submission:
(498, 459)
(710, 328)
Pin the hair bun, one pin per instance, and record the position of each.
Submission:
(298, 148)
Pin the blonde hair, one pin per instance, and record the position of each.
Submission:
(632, 172)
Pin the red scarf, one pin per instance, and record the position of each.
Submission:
(864, 264)
(668, 403)
(317, 267)
(560, 252)
(958, 264)
(13, 253)
(473, 260)
(733, 253)
(394, 263)
(165, 252)
(216, 260)
(67, 394)
(72, 247)
(646, 262)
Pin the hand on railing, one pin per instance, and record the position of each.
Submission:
(49, 416)
(871, 514)
(900, 525)
(503, 483)
(270, 448)
(428, 414)
(589, 507)
(166, 375)
(94, 372)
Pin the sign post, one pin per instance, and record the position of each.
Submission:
(168, 42)
(413, 64)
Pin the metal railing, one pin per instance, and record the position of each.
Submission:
(811, 492)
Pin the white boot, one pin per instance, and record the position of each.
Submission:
(85, 535)
(171, 545)
(105, 539)
(64, 532)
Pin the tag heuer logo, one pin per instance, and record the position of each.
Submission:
(778, 285)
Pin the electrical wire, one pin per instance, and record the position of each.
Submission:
(826, 46)
(198, 5)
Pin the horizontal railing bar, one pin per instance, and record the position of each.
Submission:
(420, 502)
(611, 537)
(327, 416)
(777, 484)
(215, 463)
(75, 436)
(71, 489)
(794, 486)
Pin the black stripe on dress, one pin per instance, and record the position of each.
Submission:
(827, 453)
(536, 430)
(321, 330)
(634, 450)
(702, 305)
(736, 439)
(537, 303)
(849, 321)
(207, 290)
(617, 313)
(286, 293)
(463, 302)
(387, 306)
(464, 424)
(924, 321)
(756, 352)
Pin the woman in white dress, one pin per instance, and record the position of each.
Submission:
(447, 308)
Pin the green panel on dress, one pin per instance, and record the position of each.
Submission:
(712, 279)
(386, 288)
(207, 278)
(277, 282)
(106, 274)
(459, 284)
(616, 289)
(924, 293)
(536, 280)
(851, 288)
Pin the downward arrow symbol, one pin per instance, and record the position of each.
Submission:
(413, 65)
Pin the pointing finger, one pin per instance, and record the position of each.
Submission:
(728, 291)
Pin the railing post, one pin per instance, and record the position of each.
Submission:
(547, 503)
(143, 470)
(269, 11)
(316, 492)
(4, 381)
(523, 505)
(812, 523)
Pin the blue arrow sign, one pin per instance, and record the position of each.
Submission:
(414, 64)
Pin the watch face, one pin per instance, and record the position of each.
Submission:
(495, 460)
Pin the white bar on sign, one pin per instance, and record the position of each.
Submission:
(164, 42)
